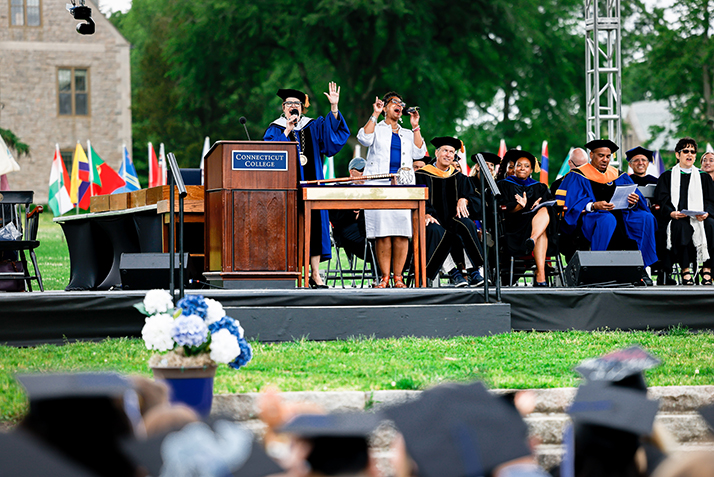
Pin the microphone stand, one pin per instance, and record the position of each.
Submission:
(487, 180)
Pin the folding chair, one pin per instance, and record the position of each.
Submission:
(15, 209)
(353, 271)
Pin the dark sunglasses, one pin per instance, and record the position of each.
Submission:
(688, 151)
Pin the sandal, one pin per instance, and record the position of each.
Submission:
(399, 282)
(687, 281)
(383, 283)
(706, 278)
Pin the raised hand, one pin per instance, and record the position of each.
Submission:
(333, 96)
(414, 119)
(521, 200)
(378, 106)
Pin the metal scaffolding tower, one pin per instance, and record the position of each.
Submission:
(603, 72)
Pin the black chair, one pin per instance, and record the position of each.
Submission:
(353, 271)
(15, 209)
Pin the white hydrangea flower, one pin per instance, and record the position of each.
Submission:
(224, 346)
(157, 332)
(215, 311)
(158, 301)
(240, 328)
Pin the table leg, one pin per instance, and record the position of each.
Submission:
(307, 221)
(416, 245)
(422, 234)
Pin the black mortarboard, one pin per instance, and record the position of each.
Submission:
(458, 430)
(488, 157)
(598, 143)
(623, 367)
(512, 155)
(292, 93)
(707, 413)
(614, 407)
(76, 385)
(22, 454)
(150, 453)
(437, 142)
(348, 424)
(639, 151)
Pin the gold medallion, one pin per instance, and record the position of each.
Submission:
(303, 159)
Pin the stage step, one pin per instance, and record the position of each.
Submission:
(677, 415)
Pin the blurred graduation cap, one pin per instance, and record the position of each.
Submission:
(228, 446)
(598, 143)
(22, 454)
(348, 424)
(622, 367)
(488, 157)
(639, 151)
(41, 387)
(707, 412)
(602, 404)
(457, 430)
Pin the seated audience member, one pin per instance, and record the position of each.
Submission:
(419, 163)
(491, 159)
(450, 211)
(348, 225)
(707, 163)
(576, 159)
(525, 230)
(505, 169)
(586, 193)
(640, 159)
(690, 236)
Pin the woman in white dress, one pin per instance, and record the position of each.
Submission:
(391, 148)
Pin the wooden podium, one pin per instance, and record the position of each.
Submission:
(251, 201)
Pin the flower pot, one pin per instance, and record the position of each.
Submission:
(192, 386)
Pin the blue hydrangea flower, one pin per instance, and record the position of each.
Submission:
(193, 305)
(246, 354)
(228, 323)
(189, 330)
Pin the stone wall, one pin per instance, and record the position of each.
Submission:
(30, 58)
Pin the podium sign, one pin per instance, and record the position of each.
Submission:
(251, 201)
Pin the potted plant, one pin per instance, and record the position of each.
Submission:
(192, 338)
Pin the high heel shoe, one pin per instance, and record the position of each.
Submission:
(383, 283)
(399, 282)
(313, 284)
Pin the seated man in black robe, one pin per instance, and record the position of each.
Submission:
(689, 236)
(586, 192)
(348, 225)
(640, 159)
(451, 210)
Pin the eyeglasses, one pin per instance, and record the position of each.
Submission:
(398, 103)
(688, 151)
(292, 103)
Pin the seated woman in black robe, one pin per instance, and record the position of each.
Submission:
(525, 230)
(689, 237)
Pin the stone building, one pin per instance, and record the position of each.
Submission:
(57, 86)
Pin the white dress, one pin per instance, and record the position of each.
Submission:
(387, 223)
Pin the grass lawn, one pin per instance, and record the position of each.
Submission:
(515, 360)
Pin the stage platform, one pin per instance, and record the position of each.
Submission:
(284, 315)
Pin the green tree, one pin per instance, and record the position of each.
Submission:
(14, 142)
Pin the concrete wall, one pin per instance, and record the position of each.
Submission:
(29, 60)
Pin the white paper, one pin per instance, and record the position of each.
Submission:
(692, 213)
(619, 198)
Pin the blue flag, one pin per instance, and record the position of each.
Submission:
(128, 173)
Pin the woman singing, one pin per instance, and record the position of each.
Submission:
(391, 148)
(316, 138)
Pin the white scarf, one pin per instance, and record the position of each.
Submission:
(695, 201)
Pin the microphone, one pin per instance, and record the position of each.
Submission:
(296, 113)
(242, 120)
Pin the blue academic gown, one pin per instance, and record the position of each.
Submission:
(598, 226)
(328, 135)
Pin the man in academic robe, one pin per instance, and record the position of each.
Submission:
(450, 213)
(586, 192)
(640, 159)
(576, 159)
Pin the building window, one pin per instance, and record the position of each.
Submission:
(73, 87)
(25, 12)
(67, 156)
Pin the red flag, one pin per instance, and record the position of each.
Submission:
(155, 175)
(502, 148)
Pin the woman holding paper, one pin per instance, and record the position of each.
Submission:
(685, 195)
(527, 217)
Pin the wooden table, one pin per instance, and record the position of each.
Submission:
(357, 197)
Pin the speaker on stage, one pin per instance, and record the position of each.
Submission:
(146, 271)
(604, 268)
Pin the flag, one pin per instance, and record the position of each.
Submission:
(59, 200)
(544, 163)
(206, 148)
(461, 154)
(502, 149)
(565, 167)
(154, 169)
(659, 163)
(328, 168)
(127, 172)
(79, 192)
(105, 179)
(162, 164)
(7, 162)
